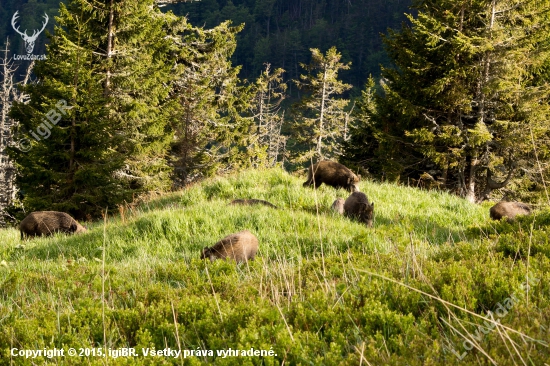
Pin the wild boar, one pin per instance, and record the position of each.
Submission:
(44, 223)
(333, 174)
(509, 210)
(241, 247)
(338, 206)
(357, 206)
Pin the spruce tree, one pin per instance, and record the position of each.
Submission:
(319, 120)
(461, 102)
(97, 117)
(211, 133)
(361, 147)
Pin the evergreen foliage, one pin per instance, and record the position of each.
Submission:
(210, 131)
(134, 100)
(361, 147)
(319, 117)
(466, 102)
(106, 68)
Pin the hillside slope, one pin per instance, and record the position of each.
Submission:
(323, 290)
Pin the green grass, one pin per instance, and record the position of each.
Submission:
(314, 293)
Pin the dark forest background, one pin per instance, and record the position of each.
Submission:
(280, 32)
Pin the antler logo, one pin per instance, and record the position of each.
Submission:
(29, 40)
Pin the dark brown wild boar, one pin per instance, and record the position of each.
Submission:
(338, 206)
(44, 223)
(240, 247)
(251, 201)
(508, 210)
(357, 206)
(333, 174)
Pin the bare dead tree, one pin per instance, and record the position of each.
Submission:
(270, 91)
(277, 141)
(8, 94)
(347, 122)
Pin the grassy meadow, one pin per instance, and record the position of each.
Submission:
(418, 288)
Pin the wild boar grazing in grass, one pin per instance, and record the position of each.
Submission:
(240, 247)
(333, 174)
(251, 201)
(357, 206)
(509, 210)
(338, 206)
(44, 223)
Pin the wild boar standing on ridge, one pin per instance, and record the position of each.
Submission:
(333, 174)
(45, 223)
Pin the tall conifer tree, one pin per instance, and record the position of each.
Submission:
(319, 123)
(96, 114)
(208, 102)
(462, 101)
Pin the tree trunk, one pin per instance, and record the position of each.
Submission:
(109, 49)
(8, 94)
(321, 117)
(72, 164)
(6, 179)
(470, 179)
